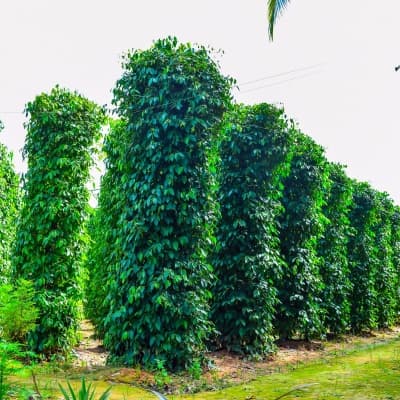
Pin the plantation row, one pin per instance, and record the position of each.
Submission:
(219, 225)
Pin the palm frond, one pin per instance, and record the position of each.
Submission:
(275, 9)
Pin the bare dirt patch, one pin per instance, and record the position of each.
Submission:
(90, 353)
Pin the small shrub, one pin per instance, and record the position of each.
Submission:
(161, 376)
(195, 369)
(18, 313)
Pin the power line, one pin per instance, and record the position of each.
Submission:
(138, 96)
(283, 81)
(281, 74)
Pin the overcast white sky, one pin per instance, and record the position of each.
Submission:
(349, 104)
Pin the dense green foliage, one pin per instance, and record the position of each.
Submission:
(62, 130)
(362, 256)
(386, 278)
(9, 205)
(216, 223)
(171, 97)
(94, 293)
(332, 251)
(104, 250)
(302, 224)
(395, 245)
(254, 158)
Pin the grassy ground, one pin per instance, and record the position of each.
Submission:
(367, 371)
(372, 372)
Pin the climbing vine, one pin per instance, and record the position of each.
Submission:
(254, 158)
(301, 225)
(171, 96)
(9, 206)
(395, 244)
(332, 251)
(62, 129)
(386, 276)
(104, 250)
(363, 258)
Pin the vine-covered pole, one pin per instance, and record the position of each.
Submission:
(363, 258)
(332, 251)
(255, 157)
(301, 226)
(9, 208)
(62, 133)
(171, 96)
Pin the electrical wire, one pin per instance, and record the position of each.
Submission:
(283, 81)
(281, 74)
(302, 76)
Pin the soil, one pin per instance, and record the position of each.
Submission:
(90, 353)
(226, 368)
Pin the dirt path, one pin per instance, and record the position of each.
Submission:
(90, 353)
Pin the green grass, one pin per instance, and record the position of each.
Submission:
(369, 373)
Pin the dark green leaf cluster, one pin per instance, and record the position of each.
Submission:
(254, 157)
(9, 206)
(301, 226)
(62, 131)
(171, 96)
(363, 257)
(395, 245)
(332, 251)
(386, 279)
(105, 248)
(373, 259)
